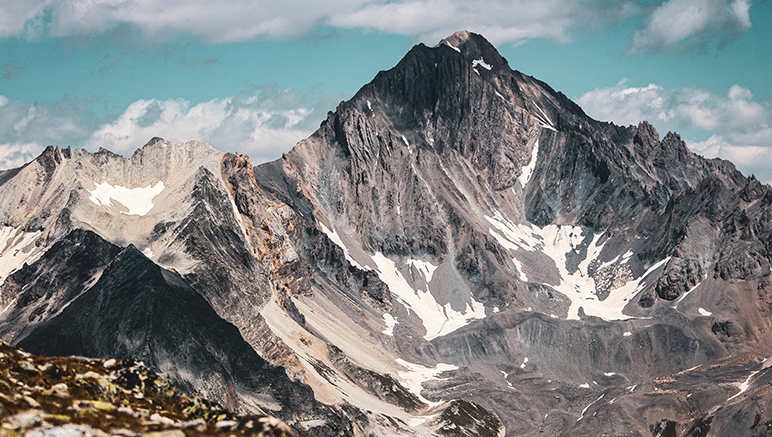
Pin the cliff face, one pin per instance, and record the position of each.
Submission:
(457, 230)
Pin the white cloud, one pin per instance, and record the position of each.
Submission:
(15, 15)
(499, 21)
(263, 124)
(16, 155)
(679, 25)
(25, 129)
(242, 20)
(674, 25)
(740, 127)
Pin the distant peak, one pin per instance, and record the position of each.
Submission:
(155, 140)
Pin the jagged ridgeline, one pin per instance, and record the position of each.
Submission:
(458, 250)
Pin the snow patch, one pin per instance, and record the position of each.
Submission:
(437, 319)
(689, 369)
(627, 334)
(522, 366)
(148, 253)
(333, 235)
(139, 201)
(519, 267)
(390, 323)
(416, 375)
(405, 141)
(452, 47)
(686, 294)
(506, 378)
(527, 171)
(369, 106)
(704, 312)
(585, 385)
(556, 241)
(9, 305)
(544, 119)
(744, 386)
(609, 374)
(587, 407)
(426, 268)
(481, 62)
(16, 248)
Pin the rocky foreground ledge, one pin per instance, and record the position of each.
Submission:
(79, 397)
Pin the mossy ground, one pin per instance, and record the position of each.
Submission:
(118, 397)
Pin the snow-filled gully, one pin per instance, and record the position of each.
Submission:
(438, 320)
(138, 201)
(556, 242)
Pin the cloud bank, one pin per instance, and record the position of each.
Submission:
(741, 126)
(263, 123)
(244, 20)
(680, 25)
(25, 129)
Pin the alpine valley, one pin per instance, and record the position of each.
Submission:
(458, 250)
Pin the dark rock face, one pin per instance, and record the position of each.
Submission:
(138, 310)
(443, 132)
(36, 292)
(457, 230)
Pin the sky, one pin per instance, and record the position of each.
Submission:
(256, 77)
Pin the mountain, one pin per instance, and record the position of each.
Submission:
(457, 250)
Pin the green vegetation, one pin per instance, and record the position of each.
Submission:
(75, 396)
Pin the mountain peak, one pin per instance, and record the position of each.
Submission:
(458, 38)
(463, 38)
(473, 45)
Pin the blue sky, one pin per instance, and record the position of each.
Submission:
(256, 77)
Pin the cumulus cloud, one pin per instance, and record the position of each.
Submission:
(25, 129)
(242, 20)
(16, 15)
(499, 21)
(679, 25)
(263, 122)
(16, 155)
(740, 126)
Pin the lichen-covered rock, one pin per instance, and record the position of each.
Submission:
(78, 397)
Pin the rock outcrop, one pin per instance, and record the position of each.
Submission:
(55, 396)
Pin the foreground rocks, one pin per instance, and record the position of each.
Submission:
(78, 397)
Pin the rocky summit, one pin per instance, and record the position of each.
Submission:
(458, 250)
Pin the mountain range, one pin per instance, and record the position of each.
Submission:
(457, 250)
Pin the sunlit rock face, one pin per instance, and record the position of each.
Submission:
(457, 247)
